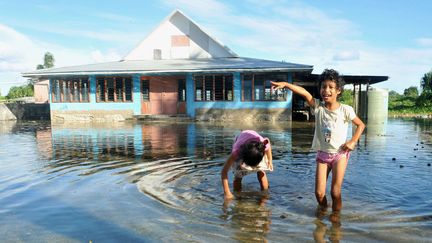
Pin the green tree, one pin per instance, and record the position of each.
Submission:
(347, 97)
(48, 61)
(426, 82)
(425, 98)
(20, 91)
(411, 92)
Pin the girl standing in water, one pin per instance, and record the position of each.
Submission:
(330, 137)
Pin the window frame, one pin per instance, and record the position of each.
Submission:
(65, 91)
(144, 80)
(203, 95)
(181, 90)
(267, 77)
(123, 87)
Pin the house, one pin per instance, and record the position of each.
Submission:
(178, 69)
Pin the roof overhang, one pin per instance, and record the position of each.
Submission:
(171, 67)
(313, 79)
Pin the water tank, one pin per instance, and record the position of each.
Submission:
(377, 110)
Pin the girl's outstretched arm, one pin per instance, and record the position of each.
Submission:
(296, 89)
(224, 176)
(350, 145)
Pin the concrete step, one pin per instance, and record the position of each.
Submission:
(170, 118)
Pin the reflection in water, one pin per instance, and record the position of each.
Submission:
(249, 217)
(144, 180)
(321, 232)
(6, 126)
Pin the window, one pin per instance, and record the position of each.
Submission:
(214, 88)
(208, 87)
(247, 87)
(145, 90)
(228, 88)
(181, 90)
(114, 89)
(199, 87)
(70, 90)
(219, 88)
(157, 54)
(257, 87)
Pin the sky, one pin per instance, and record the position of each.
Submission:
(368, 37)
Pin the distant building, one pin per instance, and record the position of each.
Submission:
(177, 70)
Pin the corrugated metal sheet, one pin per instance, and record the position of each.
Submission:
(240, 64)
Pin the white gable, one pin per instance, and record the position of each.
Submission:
(178, 37)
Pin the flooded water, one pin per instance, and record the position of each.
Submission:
(161, 183)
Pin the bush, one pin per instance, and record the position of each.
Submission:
(347, 97)
(20, 91)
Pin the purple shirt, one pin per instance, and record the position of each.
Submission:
(248, 136)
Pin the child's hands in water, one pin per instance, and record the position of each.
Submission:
(270, 165)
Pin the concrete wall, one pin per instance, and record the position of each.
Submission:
(60, 116)
(24, 111)
(41, 92)
(6, 114)
(244, 115)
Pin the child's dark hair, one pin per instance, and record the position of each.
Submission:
(252, 153)
(332, 75)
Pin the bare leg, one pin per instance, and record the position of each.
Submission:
(262, 178)
(322, 172)
(237, 184)
(338, 174)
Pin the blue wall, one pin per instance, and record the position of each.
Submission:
(191, 104)
(93, 105)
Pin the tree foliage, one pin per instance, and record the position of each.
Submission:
(20, 91)
(347, 97)
(411, 101)
(425, 98)
(426, 82)
(411, 92)
(48, 61)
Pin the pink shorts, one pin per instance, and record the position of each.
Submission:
(331, 158)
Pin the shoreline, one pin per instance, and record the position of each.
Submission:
(423, 116)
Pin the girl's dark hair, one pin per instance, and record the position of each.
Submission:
(252, 153)
(332, 75)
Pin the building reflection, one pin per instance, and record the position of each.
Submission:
(134, 141)
(44, 142)
(7, 126)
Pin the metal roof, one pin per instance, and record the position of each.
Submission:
(172, 66)
(313, 79)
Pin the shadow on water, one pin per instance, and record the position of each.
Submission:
(136, 182)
